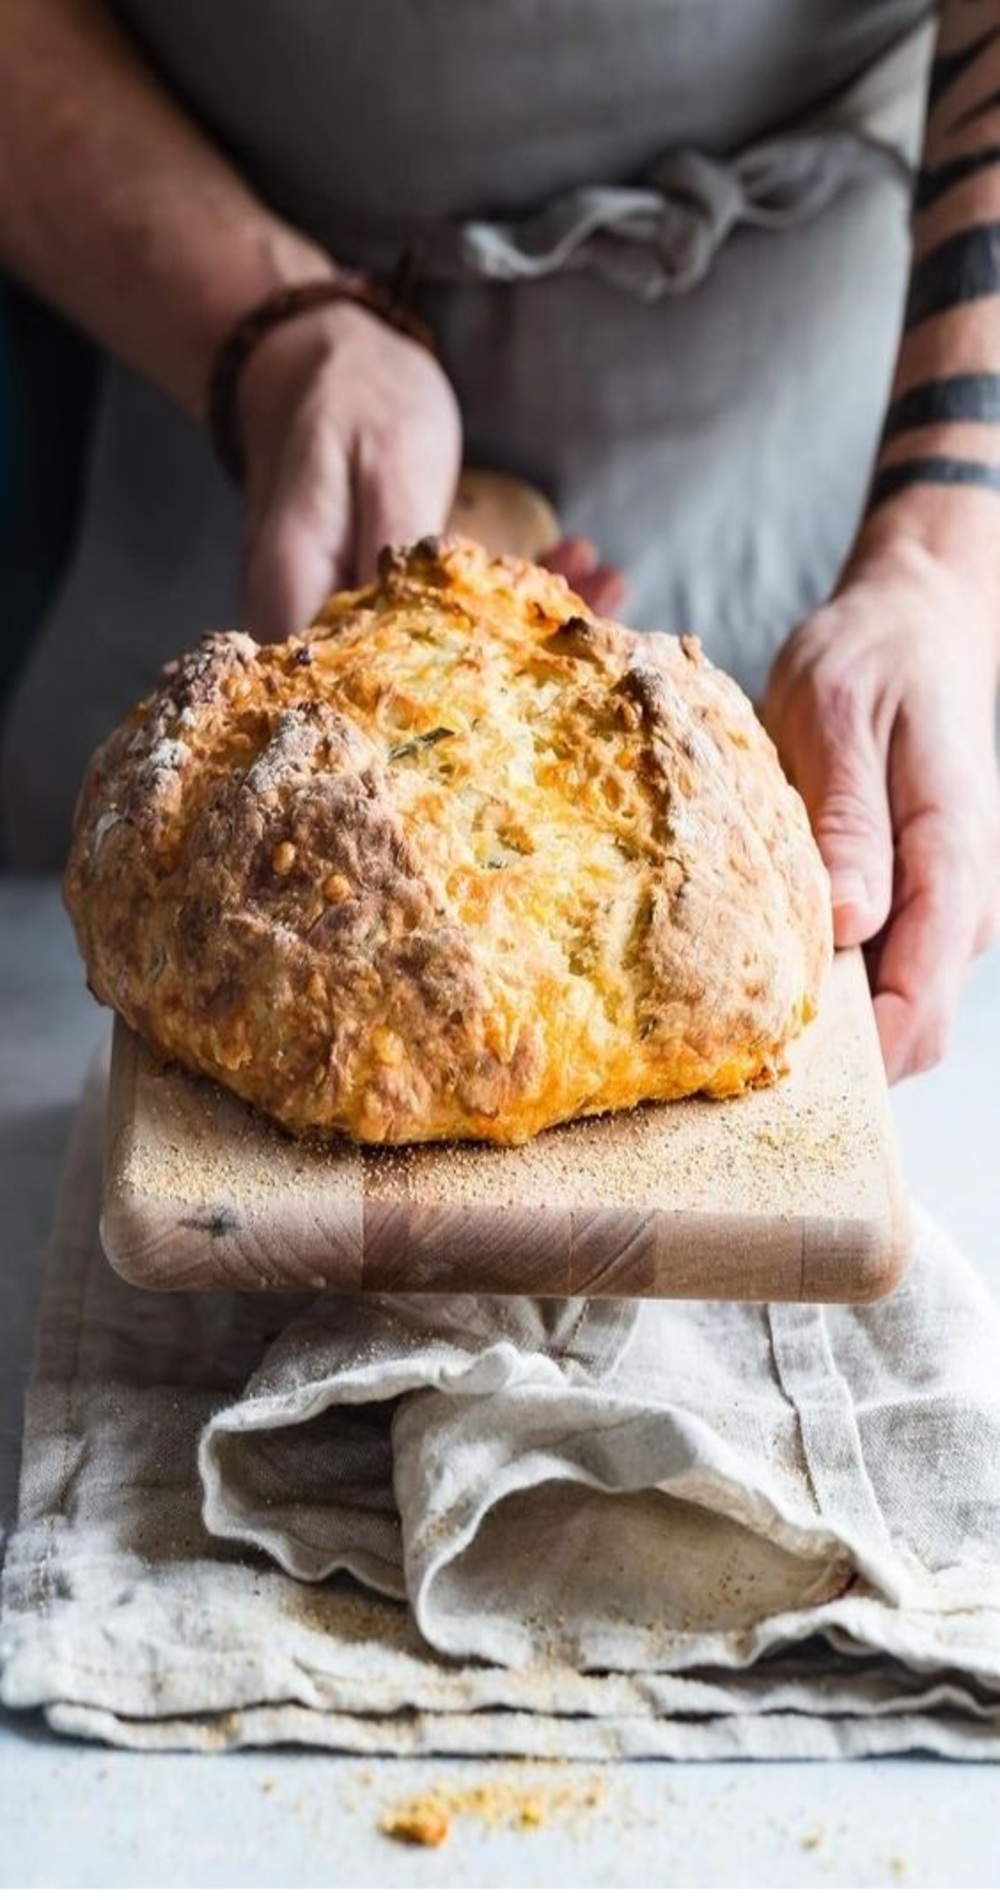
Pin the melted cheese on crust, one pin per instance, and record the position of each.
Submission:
(459, 861)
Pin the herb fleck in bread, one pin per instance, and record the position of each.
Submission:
(460, 861)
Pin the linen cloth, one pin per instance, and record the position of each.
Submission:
(486, 1526)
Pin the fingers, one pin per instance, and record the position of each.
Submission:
(405, 461)
(353, 439)
(892, 748)
(325, 521)
(604, 590)
(573, 557)
(298, 542)
(854, 833)
(602, 587)
(404, 490)
(290, 570)
(838, 763)
(928, 947)
(943, 784)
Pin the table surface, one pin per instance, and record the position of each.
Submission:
(79, 1815)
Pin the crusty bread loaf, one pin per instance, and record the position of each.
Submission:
(460, 861)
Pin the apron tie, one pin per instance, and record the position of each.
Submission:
(659, 237)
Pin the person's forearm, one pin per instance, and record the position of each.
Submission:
(937, 481)
(116, 208)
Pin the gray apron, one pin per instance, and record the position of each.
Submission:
(663, 244)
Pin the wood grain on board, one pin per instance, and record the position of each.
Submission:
(787, 1193)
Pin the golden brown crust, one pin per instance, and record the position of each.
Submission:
(460, 861)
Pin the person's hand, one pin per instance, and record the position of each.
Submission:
(352, 439)
(602, 587)
(882, 706)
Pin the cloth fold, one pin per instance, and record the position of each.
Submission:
(485, 1526)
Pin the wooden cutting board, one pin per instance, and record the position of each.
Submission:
(791, 1193)
(787, 1193)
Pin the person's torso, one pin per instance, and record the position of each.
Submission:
(714, 438)
(430, 109)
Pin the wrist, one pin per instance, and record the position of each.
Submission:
(937, 540)
(296, 327)
(271, 258)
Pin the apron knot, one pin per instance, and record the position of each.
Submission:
(659, 236)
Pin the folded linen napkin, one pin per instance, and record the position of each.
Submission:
(488, 1526)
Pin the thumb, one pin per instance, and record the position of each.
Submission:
(849, 808)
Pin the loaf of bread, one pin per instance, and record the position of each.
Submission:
(462, 860)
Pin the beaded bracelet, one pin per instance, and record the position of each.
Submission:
(222, 414)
